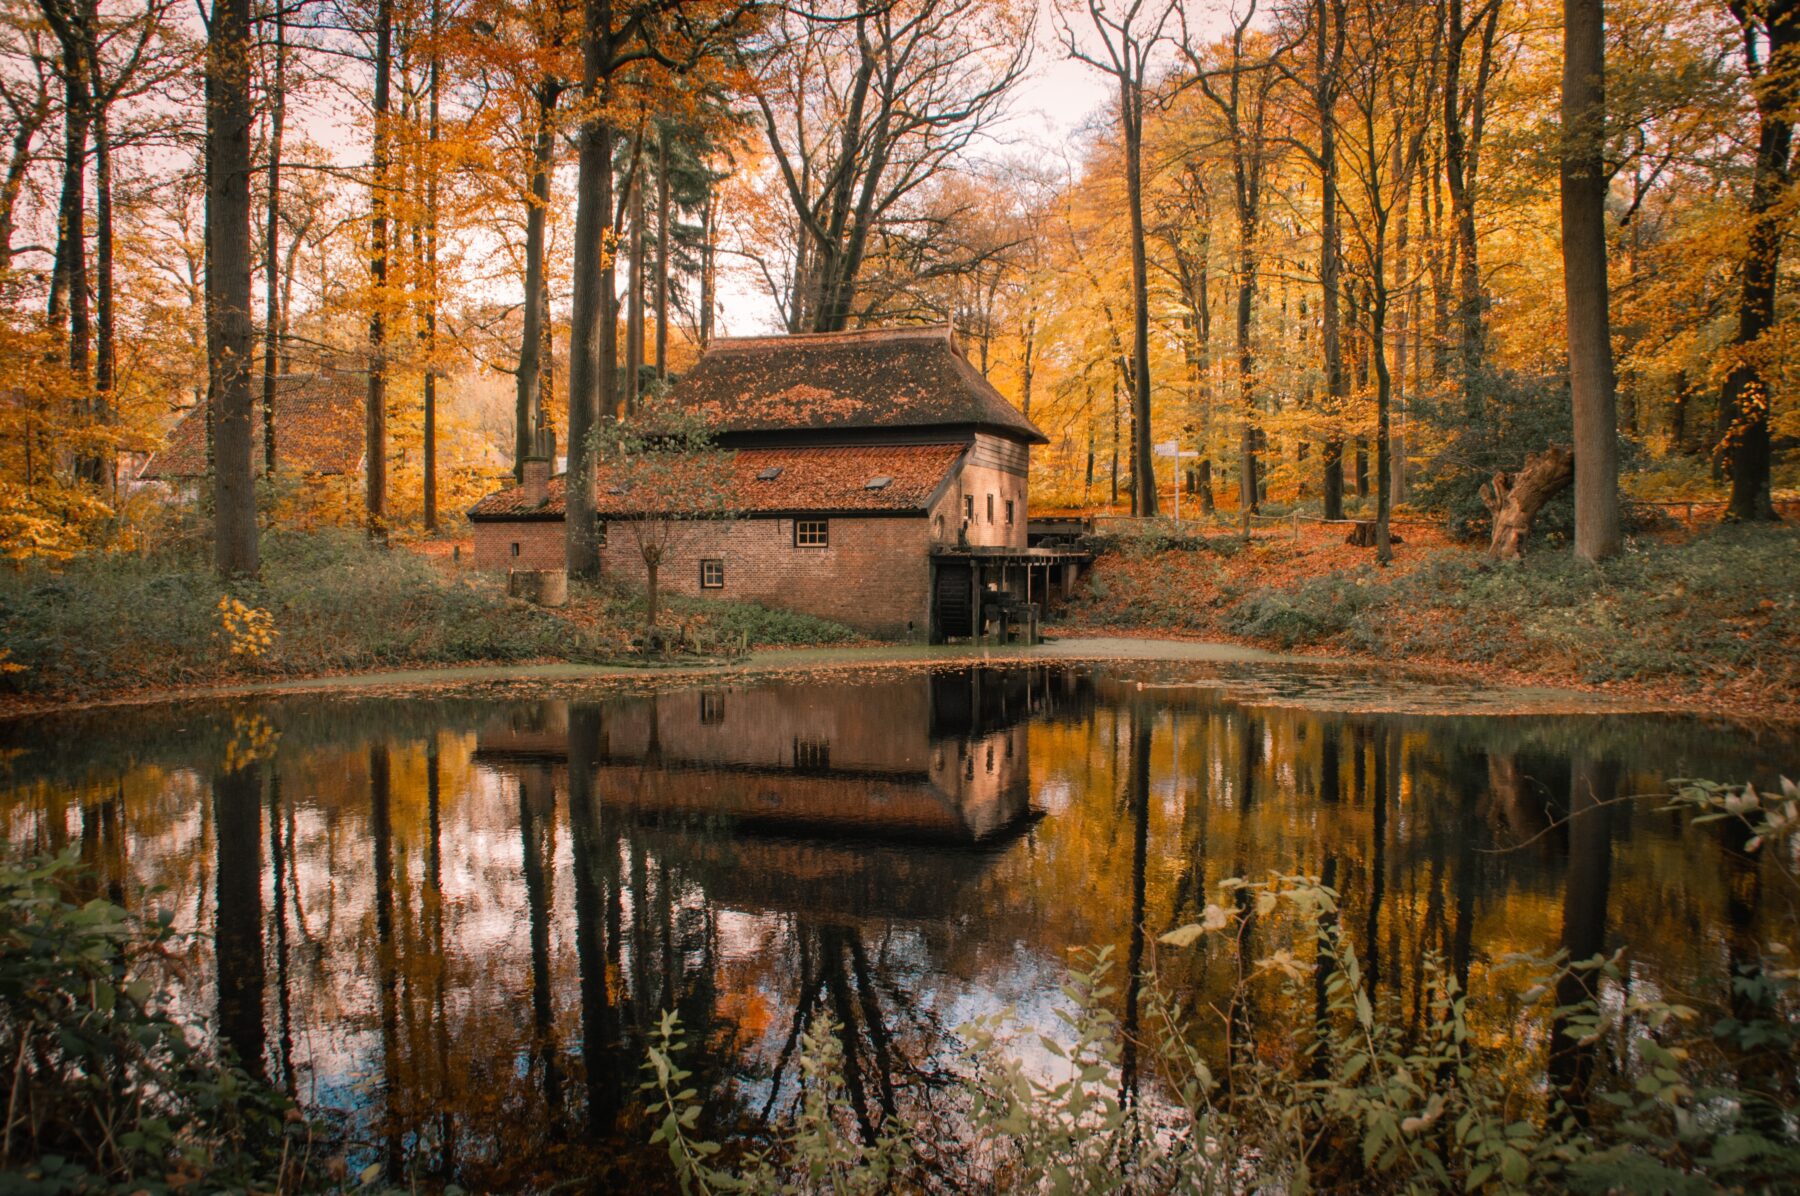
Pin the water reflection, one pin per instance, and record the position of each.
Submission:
(459, 921)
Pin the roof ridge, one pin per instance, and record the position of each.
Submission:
(897, 332)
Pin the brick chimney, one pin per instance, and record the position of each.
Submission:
(534, 471)
(535, 476)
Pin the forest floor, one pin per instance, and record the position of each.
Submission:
(1696, 618)
(1700, 617)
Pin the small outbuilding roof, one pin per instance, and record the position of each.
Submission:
(318, 430)
(888, 378)
(829, 479)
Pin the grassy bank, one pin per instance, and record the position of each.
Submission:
(1710, 614)
(327, 602)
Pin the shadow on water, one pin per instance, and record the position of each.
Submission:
(458, 922)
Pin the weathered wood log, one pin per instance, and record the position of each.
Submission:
(1362, 535)
(1516, 498)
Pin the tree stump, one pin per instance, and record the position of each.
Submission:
(545, 587)
(1516, 498)
(1362, 535)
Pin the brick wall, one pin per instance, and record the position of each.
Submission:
(872, 575)
(540, 544)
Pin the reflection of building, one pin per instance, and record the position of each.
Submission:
(939, 757)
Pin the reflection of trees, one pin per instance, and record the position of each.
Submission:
(237, 820)
(1593, 782)
(509, 1001)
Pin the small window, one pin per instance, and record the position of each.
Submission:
(515, 548)
(812, 755)
(769, 474)
(1009, 512)
(712, 708)
(878, 483)
(712, 575)
(811, 533)
(968, 508)
(990, 508)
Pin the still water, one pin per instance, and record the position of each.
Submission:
(455, 921)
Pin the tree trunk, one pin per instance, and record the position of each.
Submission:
(229, 334)
(375, 421)
(272, 244)
(1247, 487)
(662, 254)
(1514, 499)
(71, 264)
(708, 256)
(591, 331)
(652, 562)
(634, 288)
(1584, 281)
(18, 163)
(1143, 475)
(1745, 399)
(429, 513)
(104, 467)
(528, 406)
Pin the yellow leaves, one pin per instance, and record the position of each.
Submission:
(247, 631)
(8, 665)
(252, 739)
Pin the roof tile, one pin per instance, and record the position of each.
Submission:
(870, 378)
(834, 478)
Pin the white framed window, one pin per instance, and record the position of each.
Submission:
(1009, 512)
(712, 575)
(968, 508)
(812, 533)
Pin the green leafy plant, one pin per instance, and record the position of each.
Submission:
(102, 1086)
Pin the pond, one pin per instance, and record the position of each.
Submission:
(456, 920)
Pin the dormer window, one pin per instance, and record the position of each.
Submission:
(769, 474)
(878, 483)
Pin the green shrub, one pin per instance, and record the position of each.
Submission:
(1320, 609)
(109, 1091)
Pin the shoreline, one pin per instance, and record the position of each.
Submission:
(1509, 692)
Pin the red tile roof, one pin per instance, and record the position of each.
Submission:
(833, 479)
(318, 429)
(866, 379)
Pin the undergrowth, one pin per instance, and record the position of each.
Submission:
(1725, 604)
(324, 602)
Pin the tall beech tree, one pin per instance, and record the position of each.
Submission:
(1584, 187)
(665, 35)
(380, 169)
(862, 107)
(1770, 32)
(229, 333)
(1126, 40)
(1239, 79)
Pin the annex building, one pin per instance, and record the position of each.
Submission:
(880, 481)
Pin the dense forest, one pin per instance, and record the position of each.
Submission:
(1346, 255)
